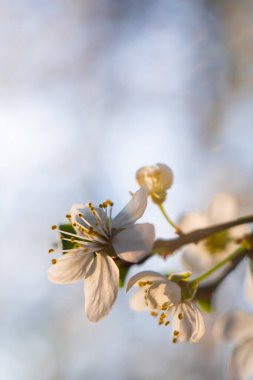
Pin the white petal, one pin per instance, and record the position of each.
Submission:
(161, 293)
(191, 328)
(71, 267)
(235, 325)
(248, 285)
(223, 208)
(166, 177)
(132, 211)
(87, 215)
(241, 361)
(199, 325)
(192, 221)
(155, 178)
(135, 242)
(145, 276)
(145, 176)
(137, 302)
(197, 259)
(100, 287)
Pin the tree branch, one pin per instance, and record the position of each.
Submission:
(205, 292)
(167, 247)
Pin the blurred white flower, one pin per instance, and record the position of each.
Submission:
(205, 254)
(238, 326)
(156, 179)
(162, 298)
(100, 238)
(248, 283)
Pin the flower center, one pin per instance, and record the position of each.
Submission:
(94, 230)
(166, 313)
(217, 243)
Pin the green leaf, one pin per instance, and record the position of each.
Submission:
(123, 270)
(205, 305)
(68, 228)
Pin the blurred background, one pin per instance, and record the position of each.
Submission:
(91, 91)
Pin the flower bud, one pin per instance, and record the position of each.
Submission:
(156, 179)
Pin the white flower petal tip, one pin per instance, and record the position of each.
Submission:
(162, 298)
(137, 301)
(156, 179)
(132, 211)
(70, 268)
(189, 324)
(100, 287)
(134, 243)
(144, 276)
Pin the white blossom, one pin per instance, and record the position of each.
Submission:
(98, 239)
(205, 254)
(162, 298)
(238, 327)
(156, 179)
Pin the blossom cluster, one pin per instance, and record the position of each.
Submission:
(99, 248)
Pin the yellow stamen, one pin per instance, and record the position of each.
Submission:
(50, 250)
(54, 227)
(53, 261)
(154, 313)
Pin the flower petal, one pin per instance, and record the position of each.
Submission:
(197, 259)
(100, 287)
(87, 215)
(166, 176)
(241, 362)
(145, 177)
(135, 242)
(192, 221)
(161, 293)
(155, 178)
(71, 267)
(137, 302)
(223, 208)
(248, 283)
(132, 211)
(191, 327)
(145, 276)
(235, 325)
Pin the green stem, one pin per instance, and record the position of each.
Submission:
(203, 276)
(168, 218)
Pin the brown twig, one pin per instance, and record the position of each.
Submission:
(167, 247)
(205, 292)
